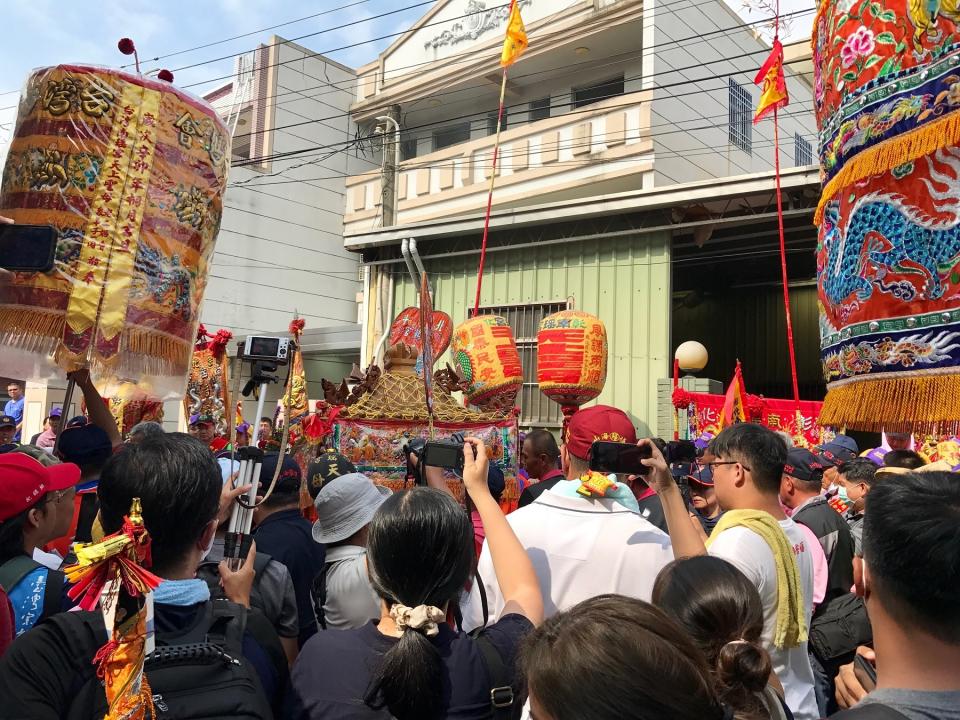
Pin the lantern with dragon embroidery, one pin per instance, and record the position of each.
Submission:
(485, 352)
(571, 358)
(887, 96)
(130, 171)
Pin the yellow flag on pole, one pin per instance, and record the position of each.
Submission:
(516, 40)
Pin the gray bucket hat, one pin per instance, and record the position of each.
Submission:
(345, 505)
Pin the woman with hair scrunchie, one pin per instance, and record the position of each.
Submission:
(617, 657)
(411, 665)
(720, 609)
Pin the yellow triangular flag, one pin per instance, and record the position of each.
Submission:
(516, 40)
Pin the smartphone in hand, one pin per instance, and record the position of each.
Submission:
(619, 458)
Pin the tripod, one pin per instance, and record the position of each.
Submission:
(238, 538)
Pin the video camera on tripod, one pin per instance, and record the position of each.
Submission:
(265, 356)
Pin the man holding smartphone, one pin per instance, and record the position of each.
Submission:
(580, 546)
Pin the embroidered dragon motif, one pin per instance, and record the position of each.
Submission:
(886, 236)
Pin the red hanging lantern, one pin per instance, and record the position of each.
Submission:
(571, 358)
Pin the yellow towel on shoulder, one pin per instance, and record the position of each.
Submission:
(791, 621)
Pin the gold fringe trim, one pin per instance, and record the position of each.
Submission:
(162, 347)
(892, 153)
(28, 322)
(928, 404)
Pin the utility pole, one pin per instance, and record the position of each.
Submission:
(391, 164)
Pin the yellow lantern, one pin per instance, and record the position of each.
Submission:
(486, 353)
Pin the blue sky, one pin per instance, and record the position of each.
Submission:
(47, 32)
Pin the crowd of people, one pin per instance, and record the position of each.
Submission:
(756, 581)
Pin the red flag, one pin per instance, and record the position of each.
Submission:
(734, 410)
(774, 95)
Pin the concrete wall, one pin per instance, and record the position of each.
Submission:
(690, 109)
(625, 282)
(280, 248)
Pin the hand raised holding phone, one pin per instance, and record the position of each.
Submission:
(475, 467)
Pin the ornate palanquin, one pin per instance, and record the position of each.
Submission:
(372, 431)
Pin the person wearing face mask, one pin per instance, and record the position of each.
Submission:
(855, 480)
(836, 452)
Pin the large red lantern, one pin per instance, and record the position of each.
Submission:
(571, 358)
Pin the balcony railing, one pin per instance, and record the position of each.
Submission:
(578, 154)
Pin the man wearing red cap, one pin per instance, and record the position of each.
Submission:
(580, 546)
(36, 506)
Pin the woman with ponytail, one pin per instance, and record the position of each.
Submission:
(411, 665)
(721, 611)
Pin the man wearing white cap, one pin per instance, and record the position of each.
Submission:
(342, 596)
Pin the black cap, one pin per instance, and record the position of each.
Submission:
(329, 465)
(7, 421)
(804, 465)
(288, 482)
(84, 445)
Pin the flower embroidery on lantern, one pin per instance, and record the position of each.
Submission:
(858, 45)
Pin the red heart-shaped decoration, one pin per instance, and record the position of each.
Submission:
(406, 330)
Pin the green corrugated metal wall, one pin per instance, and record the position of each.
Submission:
(626, 282)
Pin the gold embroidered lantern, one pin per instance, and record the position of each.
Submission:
(486, 353)
(130, 171)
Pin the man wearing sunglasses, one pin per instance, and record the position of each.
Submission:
(703, 495)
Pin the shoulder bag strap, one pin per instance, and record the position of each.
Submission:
(15, 569)
(870, 711)
(502, 697)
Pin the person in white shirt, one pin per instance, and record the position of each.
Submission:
(580, 547)
(747, 462)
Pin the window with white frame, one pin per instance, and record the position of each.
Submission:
(802, 151)
(740, 112)
(535, 408)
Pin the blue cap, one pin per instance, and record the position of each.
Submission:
(84, 445)
(839, 450)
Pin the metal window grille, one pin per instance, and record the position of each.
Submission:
(802, 151)
(535, 408)
(740, 110)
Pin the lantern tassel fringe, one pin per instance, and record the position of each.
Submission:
(890, 154)
(928, 404)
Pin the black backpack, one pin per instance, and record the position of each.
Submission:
(197, 674)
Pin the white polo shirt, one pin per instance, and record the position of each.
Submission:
(580, 548)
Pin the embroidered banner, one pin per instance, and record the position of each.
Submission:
(131, 172)
(887, 94)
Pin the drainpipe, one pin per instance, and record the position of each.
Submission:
(418, 262)
(405, 251)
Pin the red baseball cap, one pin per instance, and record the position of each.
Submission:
(23, 481)
(600, 422)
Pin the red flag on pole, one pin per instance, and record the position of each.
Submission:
(774, 95)
(734, 409)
